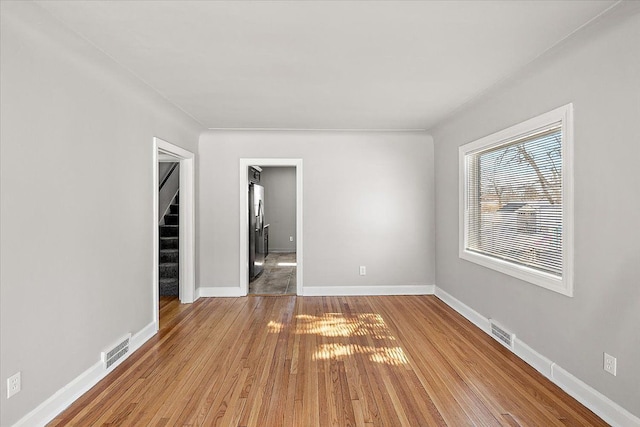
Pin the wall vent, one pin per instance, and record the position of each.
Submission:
(501, 334)
(117, 352)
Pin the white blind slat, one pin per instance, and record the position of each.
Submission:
(514, 201)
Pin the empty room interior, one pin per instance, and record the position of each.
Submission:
(291, 213)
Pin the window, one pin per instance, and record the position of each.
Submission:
(516, 201)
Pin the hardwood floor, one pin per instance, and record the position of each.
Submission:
(322, 361)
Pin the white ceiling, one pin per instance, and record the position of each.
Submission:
(323, 65)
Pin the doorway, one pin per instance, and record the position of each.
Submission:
(274, 249)
(169, 226)
(165, 151)
(287, 270)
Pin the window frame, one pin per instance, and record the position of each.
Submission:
(564, 117)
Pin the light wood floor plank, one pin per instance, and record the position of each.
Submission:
(322, 361)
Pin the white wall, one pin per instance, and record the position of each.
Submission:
(163, 170)
(280, 207)
(76, 205)
(599, 71)
(167, 193)
(368, 200)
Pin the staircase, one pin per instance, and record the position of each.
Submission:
(169, 254)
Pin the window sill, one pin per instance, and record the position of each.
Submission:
(539, 278)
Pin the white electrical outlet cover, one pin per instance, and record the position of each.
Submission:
(610, 363)
(13, 385)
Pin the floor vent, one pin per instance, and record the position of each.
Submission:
(501, 334)
(116, 352)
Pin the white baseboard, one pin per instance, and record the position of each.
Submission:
(234, 291)
(144, 335)
(466, 311)
(533, 358)
(601, 405)
(60, 400)
(222, 291)
(604, 407)
(321, 291)
(282, 251)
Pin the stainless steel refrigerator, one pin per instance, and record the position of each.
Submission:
(256, 230)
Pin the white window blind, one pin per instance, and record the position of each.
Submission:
(514, 201)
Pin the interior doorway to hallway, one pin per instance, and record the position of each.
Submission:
(178, 247)
(271, 253)
(272, 230)
(169, 225)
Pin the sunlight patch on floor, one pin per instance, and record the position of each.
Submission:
(339, 325)
(388, 355)
(275, 327)
(368, 329)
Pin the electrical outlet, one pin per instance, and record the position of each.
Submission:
(291, 238)
(13, 385)
(610, 363)
(363, 270)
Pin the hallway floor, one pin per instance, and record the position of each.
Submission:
(278, 277)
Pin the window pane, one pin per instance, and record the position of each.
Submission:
(514, 201)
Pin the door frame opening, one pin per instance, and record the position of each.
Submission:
(186, 231)
(244, 218)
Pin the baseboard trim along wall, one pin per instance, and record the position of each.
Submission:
(325, 291)
(60, 400)
(221, 291)
(601, 405)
